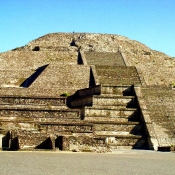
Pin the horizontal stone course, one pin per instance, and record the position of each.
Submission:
(42, 113)
(108, 122)
(117, 90)
(38, 92)
(30, 60)
(95, 119)
(19, 125)
(159, 103)
(122, 127)
(12, 100)
(66, 76)
(108, 112)
(72, 128)
(107, 100)
(117, 75)
(104, 58)
(99, 144)
(13, 78)
(30, 140)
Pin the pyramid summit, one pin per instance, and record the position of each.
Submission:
(86, 92)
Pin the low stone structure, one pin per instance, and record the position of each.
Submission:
(84, 92)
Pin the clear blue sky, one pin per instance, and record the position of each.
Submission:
(151, 22)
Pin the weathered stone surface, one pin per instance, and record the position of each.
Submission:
(12, 100)
(117, 75)
(104, 58)
(111, 100)
(101, 71)
(42, 113)
(109, 112)
(158, 105)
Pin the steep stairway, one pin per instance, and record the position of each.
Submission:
(117, 75)
(114, 112)
(115, 119)
(161, 109)
(104, 58)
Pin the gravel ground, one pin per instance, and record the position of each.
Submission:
(131, 162)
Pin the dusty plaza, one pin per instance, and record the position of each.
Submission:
(80, 92)
(122, 162)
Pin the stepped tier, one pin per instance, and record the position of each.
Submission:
(37, 92)
(29, 60)
(64, 76)
(117, 75)
(106, 99)
(13, 78)
(159, 105)
(104, 58)
(27, 100)
(52, 80)
(102, 111)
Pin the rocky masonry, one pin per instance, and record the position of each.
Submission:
(86, 92)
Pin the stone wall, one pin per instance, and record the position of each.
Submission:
(104, 58)
(37, 78)
(157, 105)
(117, 75)
(64, 77)
(31, 60)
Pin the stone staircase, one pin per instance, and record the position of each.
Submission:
(111, 109)
(117, 75)
(32, 120)
(159, 107)
(104, 58)
(98, 118)
(116, 119)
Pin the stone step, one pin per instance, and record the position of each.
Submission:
(117, 128)
(109, 112)
(116, 142)
(16, 119)
(34, 139)
(104, 58)
(112, 100)
(63, 127)
(33, 107)
(13, 78)
(111, 119)
(31, 60)
(103, 143)
(55, 120)
(114, 107)
(110, 81)
(112, 133)
(118, 136)
(37, 92)
(40, 113)
(39, 120)
(117, 75)
(76, 76)
(23, 125)
(17, 100)
(102, 100)
(105, 128)
(105, 95)
(117, 90)
(41, 123)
